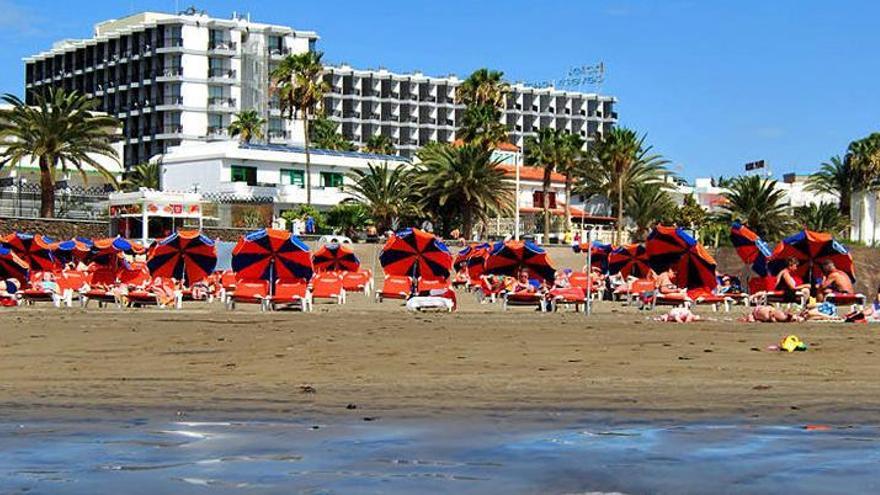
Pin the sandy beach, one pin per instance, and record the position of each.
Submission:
(370, 360)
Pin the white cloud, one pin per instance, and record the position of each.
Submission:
(18, 20)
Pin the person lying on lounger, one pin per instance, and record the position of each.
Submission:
(522, 284)
(10, 287)
(835, 281)
(666, 284)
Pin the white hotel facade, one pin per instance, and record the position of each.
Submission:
(173, 79)
(414, 109)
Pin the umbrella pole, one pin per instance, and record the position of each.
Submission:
(587, 306)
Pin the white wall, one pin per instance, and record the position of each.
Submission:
(208, 174)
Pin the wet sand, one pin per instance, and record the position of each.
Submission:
(375, 360)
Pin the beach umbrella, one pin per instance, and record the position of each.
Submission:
(11, 266)
(35, 250)
(461, 258)
(750, 248)
(108, 251)
(510, 257)
(185, 255)
(335, 257)
(629, 260)
(270, 254)
(77, 248)
(599, 253)
(673, 247)
(811, 249)
(476, 260)
(416, 253)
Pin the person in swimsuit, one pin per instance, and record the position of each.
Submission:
(835, 281)
(793, 290)
(666, 284)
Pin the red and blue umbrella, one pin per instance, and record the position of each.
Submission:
(35, 250)
(416, 253)
(270, 254)
(476, 260)
(599, 253)
(750, 248)
(811, 249)
(11, 266)
(629, 260)
(510, 257)
(335, 257)
(185, 255)
(108, 252)
(462, 257)
(673, 247)
(77, 248)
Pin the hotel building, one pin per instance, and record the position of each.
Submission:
(415, 109)
(173, 78)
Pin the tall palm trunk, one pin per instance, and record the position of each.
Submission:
(308, 159)
(47, 190)
(568, 181)
(467, 224)
(545, 200)
(619, 234)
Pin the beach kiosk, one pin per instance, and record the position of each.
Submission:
(148, 214)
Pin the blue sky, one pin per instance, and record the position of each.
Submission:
(714, 84)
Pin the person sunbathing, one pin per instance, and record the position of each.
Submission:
(47, 283)
(562, 280)
(793, 290)
(679, 315)
(770, 314)
(836, 281)
(666, 284)
(522, 285)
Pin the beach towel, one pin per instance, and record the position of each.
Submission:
(428, 303)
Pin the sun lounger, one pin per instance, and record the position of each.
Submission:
(658, 299)
(100, 287)
(227, 284)
(71, 283)
(582, 280)
(291, 293)
(35, 293)
(359, 281)
(567, 296)
(328, 285)
(395, 287)
(249, 292)
(856, 301)
(523, 299)
(426, 286)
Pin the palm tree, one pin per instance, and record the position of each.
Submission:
(615, 164)
(863, 158)
(758, 203)
(247, 125)
(146, 175)
(324, 134)
(572, 152)
(60, 130)
(835, 178)
(546, 150)
(822, 217)
(483, 94)
(483, 87)
(385, 191)
(380, 144)
(649, 204)
(467, 181)
(300, 87)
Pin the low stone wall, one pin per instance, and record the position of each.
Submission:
(55, 228)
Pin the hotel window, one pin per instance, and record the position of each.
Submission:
(244, 174)
(290, 177)
(331, 179)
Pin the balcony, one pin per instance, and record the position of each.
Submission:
(278, 134)
(170, 43)
(222, 46)
(168, 72)
(217, 132)
(221, 101)
(221, 73)
(279, 51)
(170, 100)
(169, 129)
